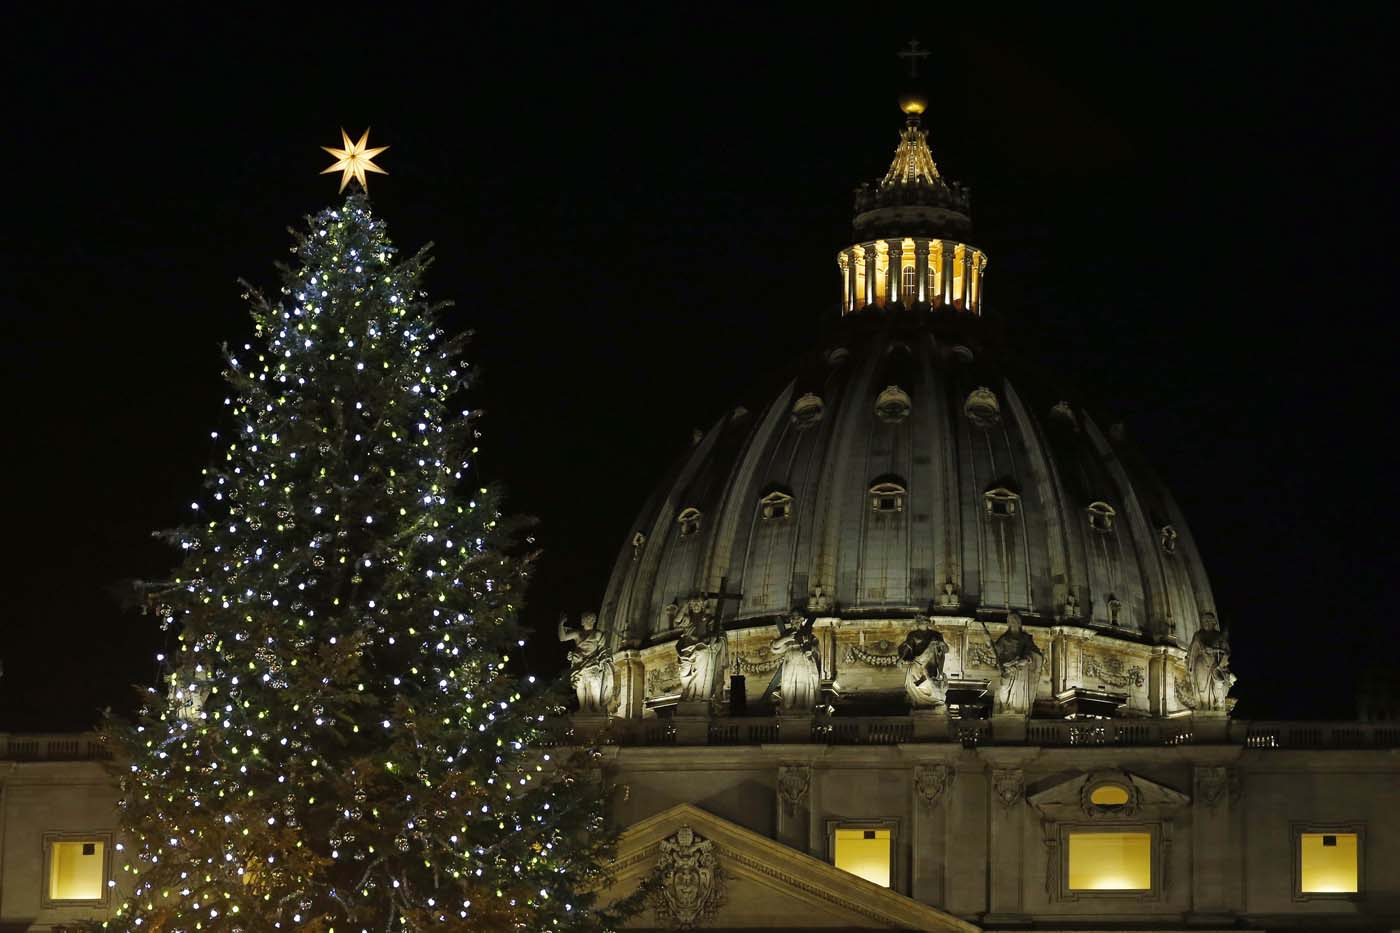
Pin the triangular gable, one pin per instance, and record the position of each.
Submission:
(757, 883)
(1067, 795)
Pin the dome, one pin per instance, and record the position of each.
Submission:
(897, 478)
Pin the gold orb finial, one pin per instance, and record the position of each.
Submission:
(913, 103)
(354, 160)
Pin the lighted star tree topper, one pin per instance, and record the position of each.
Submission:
(354, 160)
(342, 744)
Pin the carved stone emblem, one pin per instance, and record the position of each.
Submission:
(1214, 784)
(819, 601)
(793, 784)
(691, 885)
(1008, 785)
(931, 782)
(982, 408)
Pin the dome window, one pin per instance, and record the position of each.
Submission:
(907, 282)
(1001, 502)
(775, 506)
(1101, 516)
(893, 405)
(1168, 537)
(689, 520)
(807, 411)
(887, 497)
(982, 408)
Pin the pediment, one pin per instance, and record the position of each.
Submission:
(1069, 795)
(748, 881)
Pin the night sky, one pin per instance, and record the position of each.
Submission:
(1189, 219)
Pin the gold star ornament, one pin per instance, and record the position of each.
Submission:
(354, 160)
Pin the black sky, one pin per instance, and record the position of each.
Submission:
(1189, 218)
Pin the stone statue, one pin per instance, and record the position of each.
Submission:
(799, 684)
(1208, 665)
(921, 655)
(1018, 663)
(949, 598)
(702, 652)
(591, 670)
(820, 601)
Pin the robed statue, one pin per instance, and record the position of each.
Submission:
(1019, 661)
(921, 655)
(702, 652)
(800, 673)
(1208, 665)
(591, 670)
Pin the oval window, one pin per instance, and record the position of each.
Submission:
(1109, 795)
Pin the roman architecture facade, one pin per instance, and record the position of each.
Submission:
(920, 643)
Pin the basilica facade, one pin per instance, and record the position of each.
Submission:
(921, 645)
(917, 645)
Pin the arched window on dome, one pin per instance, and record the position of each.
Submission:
(1168, 537)
(776, 505)
(908, 282)
(689, 520)
(1101, 516)
(887, 497)
(1001, 502)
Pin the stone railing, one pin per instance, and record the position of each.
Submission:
(70, 746)
(1045, 733)
(1263, 734)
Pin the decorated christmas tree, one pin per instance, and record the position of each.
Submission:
(342, 743)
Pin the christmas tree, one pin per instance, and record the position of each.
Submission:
(343, 744)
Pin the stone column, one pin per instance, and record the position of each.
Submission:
(921, 270)
(1006, 843)
(848, 281)
(967, 278)
(870, 255)
(931, 784)
(795, 815)
(895, 287)
(631, 683)
(981, 284)
(1158, 672)
(947, 266)
(1214, 853)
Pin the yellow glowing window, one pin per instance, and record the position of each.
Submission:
(1110, 861)
(76, 871)
(1328, 863)
(864, 852)
(1109, 795)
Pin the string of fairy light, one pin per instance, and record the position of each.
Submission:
(339, 738)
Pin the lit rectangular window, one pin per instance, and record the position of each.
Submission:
(1328, 862)
(1110, 861)
(864, 852)
(77, 870)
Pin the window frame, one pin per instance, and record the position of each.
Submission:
(877, 823)
(1159, 849)
(1296, 831)
(887, 489)
(1001, 502)
(1101, 517)
(775, 506)
(46, 900)
(689, 521)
